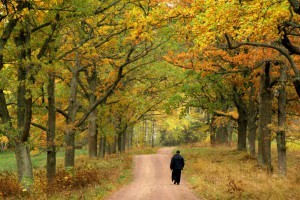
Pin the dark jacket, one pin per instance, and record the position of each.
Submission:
(177, 162)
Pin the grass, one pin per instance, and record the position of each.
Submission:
(91, 178)
(8, 160)
(214, 173)
(225, 173)
(115, 172)
(293, 146)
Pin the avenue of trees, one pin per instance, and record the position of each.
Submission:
(107, 74)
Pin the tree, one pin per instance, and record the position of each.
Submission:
(122, 38)
(280, 134)
(214, 27)
(264, 140)
(252, 118)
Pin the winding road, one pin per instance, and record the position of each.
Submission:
(152, 180)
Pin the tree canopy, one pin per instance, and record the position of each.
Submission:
(98, 73)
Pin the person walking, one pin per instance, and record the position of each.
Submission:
(176, 165)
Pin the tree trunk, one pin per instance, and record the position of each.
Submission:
(93, 134)
(72, 109)
(4, 114)
(242, 133)
(242, 121)
(280, 134)
(124, 139)
(221, 134)
(265, 111)
(212, 131)
(51, 147)
(109, 149)
(130, 137)
(229, 132)
(114, 145)
(252, 117)
(102, 145)
(92, 128)
(120, 138)
(22, 147)
(70, 148)
(153, 134)
(25, 173)
(24, 114)
(146, 131)
(6, 33)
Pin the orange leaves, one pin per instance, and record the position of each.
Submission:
(183, 59)
(224, 118)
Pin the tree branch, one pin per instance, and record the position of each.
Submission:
(222, 114)
(39, 126)
(295, 6)
(281, 50)
(63, 113)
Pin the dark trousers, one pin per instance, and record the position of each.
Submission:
(176, 174)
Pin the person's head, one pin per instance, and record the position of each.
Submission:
(178, 152)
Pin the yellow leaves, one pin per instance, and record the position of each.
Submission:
(24, 12)
(3, 139)
(3, 144)
(104, 30)
(56, 1)
(90, 21)
(47, 3)
(251, 20)
(143, 24)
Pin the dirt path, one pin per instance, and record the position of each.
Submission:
(152, 180)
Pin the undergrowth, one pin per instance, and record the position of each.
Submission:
(225, 173)
(91, 179)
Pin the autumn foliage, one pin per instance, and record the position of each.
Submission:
(69, 182)
(79, 71)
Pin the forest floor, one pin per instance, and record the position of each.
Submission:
(152, 180)
(91, 179)
(223, 172)
(212, 173)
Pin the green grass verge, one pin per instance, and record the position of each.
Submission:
(8, 160)
(92, 178)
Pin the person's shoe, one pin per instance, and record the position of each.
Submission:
(174, 182)
(177, 183)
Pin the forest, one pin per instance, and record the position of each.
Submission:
(85, 84)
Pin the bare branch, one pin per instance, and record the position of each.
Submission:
(39, 126)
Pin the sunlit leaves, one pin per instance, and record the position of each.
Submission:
(3, 142)
(246, 21)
